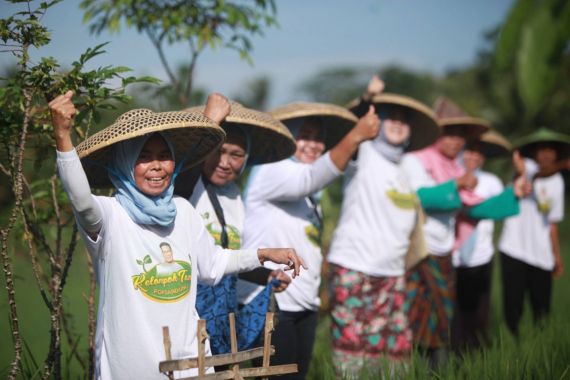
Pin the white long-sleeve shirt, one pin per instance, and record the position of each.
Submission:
(279, 214)
(377, 217)
(147, 279)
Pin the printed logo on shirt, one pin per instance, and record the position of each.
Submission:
(313, 234)
(167, 281)
(406, 201)
(543, 203)
(215, 229)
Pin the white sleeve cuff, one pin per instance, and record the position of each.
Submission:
(67, 156)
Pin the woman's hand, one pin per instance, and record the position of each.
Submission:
(286, 256)
(522, 187)
(375, 86)
(62, 113)
(467, 181)
(284, 280)
(367, 128)
(217, 107)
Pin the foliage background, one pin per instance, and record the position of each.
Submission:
(520, 80)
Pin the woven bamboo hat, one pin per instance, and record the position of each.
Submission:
(270, 139)
(192, 136)
(424, 127)
(454, 121)
(560, 142)
(491, 144)
(337, 120)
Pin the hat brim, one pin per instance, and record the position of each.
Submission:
(423, 125)
(528, 144)
(192, 136)
(270, 139)
(337, 120)
(491, 145)
(471, 128)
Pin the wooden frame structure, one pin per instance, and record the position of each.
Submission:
(232, 359)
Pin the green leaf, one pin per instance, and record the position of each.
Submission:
(539, 46)
(509, 35)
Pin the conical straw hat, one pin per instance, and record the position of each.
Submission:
(424, 128)
(491, 144)
(336, 120)
(468, 127)
(192, 135)
(560, 141)
(270, 139)
(454, 121)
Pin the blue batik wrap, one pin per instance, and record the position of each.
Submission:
(214, 303)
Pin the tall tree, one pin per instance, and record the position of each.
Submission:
(198, 24)
(531, 64)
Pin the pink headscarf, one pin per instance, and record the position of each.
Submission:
(443, 169)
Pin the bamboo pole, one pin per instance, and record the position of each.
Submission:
(234, 347)
(267, 340)
(167, 348)
(202, 337)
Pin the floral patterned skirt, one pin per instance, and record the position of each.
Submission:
(368, 316)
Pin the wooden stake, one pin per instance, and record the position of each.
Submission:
(202, 337)
(234, 346)
(267, 340)
(167, 347)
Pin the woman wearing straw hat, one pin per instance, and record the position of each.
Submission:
(473, 251)
(529, 245)
(444, 188)
(251, 137)
(282, 208)
(368, 250)
(124, 234)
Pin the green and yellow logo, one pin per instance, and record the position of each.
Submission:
(168, 281)
(543, 203)
(406, 201)
(544, 206)
(215, 229)
(313, 234)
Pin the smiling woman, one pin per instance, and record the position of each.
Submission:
(148, 246)
(154, 167)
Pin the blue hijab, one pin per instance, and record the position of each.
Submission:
(142, 208)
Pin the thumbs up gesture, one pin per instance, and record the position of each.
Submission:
(367, 127)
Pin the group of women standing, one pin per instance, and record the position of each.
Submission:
(416, 204)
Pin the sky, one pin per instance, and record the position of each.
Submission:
(430, 35)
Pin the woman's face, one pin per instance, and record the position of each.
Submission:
(545, 156)
(472, 160)
(225, 165)
(154, 167)
(310, 143)
(451, 145)
(396, 127)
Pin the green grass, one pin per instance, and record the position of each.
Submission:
(540, 353)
